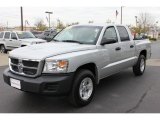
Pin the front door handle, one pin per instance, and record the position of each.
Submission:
(132, 46)
(118, 48)
(10, 40)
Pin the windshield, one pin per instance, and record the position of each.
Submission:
(25, 35)
(79, 34)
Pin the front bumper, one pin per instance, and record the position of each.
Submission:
(55, 84)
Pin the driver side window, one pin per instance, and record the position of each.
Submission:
(110, 34)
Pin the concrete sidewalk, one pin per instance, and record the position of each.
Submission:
(3, 59)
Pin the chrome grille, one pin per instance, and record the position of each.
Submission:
(25, 67)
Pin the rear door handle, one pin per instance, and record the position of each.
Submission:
(118, 48)
(10, 40)
(132, 46)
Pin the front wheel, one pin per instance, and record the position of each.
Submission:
(139, 68)
(3, 49)
(83, 88)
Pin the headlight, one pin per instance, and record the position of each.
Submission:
(55, 66)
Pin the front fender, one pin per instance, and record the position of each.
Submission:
(77, 59)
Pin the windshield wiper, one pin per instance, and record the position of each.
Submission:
(74, 41)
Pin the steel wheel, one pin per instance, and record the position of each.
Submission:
(142, 65)
(86, 88)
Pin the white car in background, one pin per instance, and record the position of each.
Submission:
(10, 40)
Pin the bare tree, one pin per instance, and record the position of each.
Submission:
(40, 25)
(145, 21)
(1, 27)
(60, 24)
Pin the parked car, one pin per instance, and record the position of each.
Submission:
(75, 62)
(48, 35)
(37, 34)
(141, 36)
(10, 40)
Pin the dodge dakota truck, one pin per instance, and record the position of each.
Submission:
(10, 40)
(76, 60)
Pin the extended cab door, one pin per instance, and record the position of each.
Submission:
(127, 47)
(8, 41)
(111, 53)
(15, 41)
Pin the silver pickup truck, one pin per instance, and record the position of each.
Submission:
(76, 60)
(10, 40)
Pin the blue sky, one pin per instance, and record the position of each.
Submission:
(74, 14)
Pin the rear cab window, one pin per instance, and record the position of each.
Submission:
(7, 35)
(13, 35)
(123, 33)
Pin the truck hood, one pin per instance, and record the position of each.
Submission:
(30, 40)
(45, 50)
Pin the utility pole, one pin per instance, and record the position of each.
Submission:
(21, 19)
(49, 13)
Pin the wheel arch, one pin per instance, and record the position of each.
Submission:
(92, 67)
(143, 52)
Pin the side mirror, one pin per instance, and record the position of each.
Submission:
(108, 41)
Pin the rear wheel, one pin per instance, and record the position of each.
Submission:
(83, 88)
(139, 68)
(3, 49)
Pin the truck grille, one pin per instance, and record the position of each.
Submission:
(24, 67)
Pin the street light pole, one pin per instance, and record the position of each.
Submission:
(121, 14)
(49, 13)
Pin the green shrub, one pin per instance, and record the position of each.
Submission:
(152, 39)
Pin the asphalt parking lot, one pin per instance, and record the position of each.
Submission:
(120, 93)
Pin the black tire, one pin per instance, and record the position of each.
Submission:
(3, 49)
(137, 70)
(74, 97)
